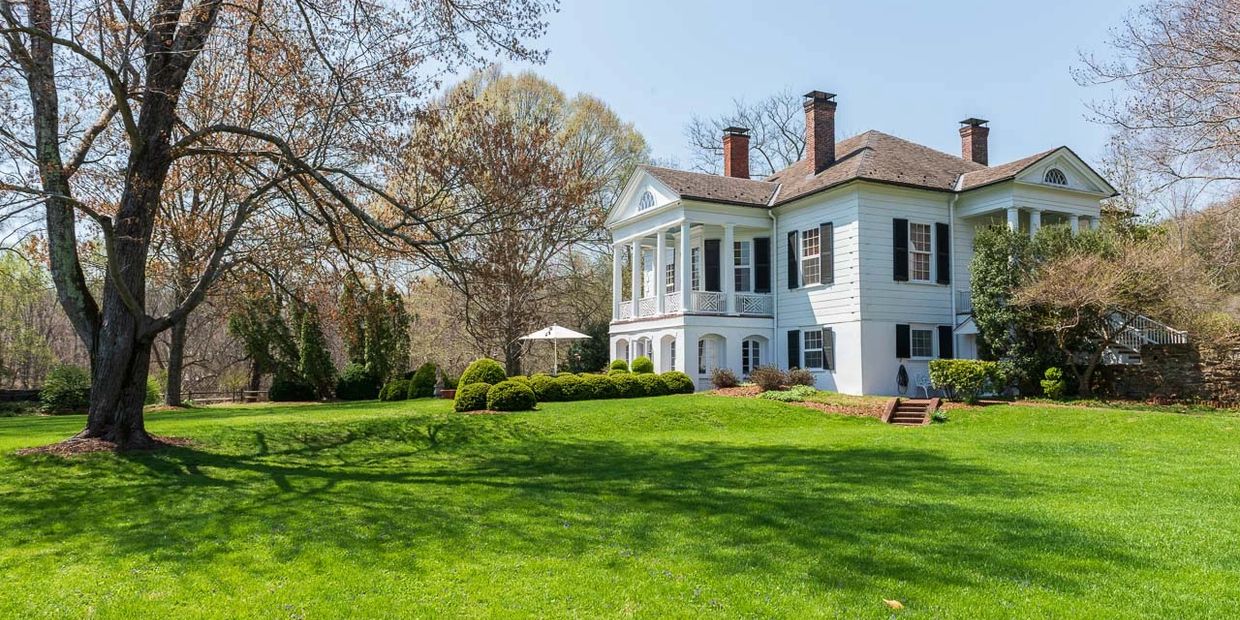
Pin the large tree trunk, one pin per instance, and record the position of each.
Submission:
(176, 364)
(512, 358)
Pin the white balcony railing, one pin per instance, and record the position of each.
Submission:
(648, 306)
(703, 302)
(755, 303)
(709, 301)
(671, 303)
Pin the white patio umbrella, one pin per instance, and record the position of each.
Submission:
(555, 334)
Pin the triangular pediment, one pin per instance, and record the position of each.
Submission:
(1062, 169)
(643, 193)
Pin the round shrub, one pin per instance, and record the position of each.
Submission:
(422, 384)
(677, 382)
(800, 376)
(395, 390)
(965, 379)
(1053, 385)
(290, 389)
(357, 383)
(66, 390)
(617, 372)
(643, 365)
(483, 370)
(546, 389)
(510, 396)
(600, 386)
(153, 393)
(768, 377)
(620, 365)
(520, 379)
(572, 387)
(472, 397)
(652, 385)
(627, 385)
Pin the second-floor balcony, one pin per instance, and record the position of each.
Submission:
(700, 302)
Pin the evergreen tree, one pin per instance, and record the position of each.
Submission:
(315, 365)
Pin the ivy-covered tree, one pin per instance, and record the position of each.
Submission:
(315, 362)
(375, 328)
(259, 324)
(590, 355)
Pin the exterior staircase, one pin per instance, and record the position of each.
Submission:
(1135, 331)
(910, 411)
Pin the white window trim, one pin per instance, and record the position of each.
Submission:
(747, 346)
(929, 253)
(805, 349)
(737, 265)
(934, 345)
(802, 257)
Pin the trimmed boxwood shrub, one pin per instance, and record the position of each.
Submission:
(800, 376)
(619, 365)
(472, 397)
(572, 387)
(520, 379)
(483, 370)
(1053, 385)
(769, 377)
(652, 385)
(357, 383)
(643, 365)
(511, 396)
(66, 390)
(617, 372)
(965, 379)
(601, 387)
(395, 390)
(627, 386)
(546, 390)
(290, 389)
(422, 384)
(677, 382)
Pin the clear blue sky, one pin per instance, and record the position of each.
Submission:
(912, 69)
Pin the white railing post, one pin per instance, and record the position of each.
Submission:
(660, 271)
(1013, 218)
(617, 282)
(685, 267)
(635, 272)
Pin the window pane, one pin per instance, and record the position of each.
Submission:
(810, 271)
(921, 266)
(813, 359)
(695, 260)
(922, 343)
(742, 279)
(919, 235)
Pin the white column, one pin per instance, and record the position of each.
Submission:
(686, 276)
(1013, 214)
(729, 268)
(617, 283)
(1095, 223)
(660, 271)
(635, 275)
(1035, 221)
(1075, 223)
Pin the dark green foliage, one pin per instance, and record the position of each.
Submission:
(357, 383)
(520, 379)
(601, 387)
(965, 379)
(153, 393)
(258, 322)
(472, 397)
(643, 365)
(590, 355)
(315, 362)
(66, 390)
(545, 387)
(511, 395)
(769, 377)
(619, 366)
(397, 389)
(652, 384)
(572, 387)
(483, 370)
(723, 378)
(617, 372)
(450, 382)
(800, 376)
(677, 382)
(422, 384)
(285, 388)
(375, 328)
(1053, 384)
(627, 386)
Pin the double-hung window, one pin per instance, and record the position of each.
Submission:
(811, 246)
(812, 349)
(670, 270)
(742, 254)
(921, 342)
(695, 268)
(919, 251)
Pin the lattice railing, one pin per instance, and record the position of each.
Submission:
(671, 303)
(626, 310)
(648, 306)
(754, 303)
(709, 301)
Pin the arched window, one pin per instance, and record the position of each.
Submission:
(647, 201)
(1055, 176)
(751, 355)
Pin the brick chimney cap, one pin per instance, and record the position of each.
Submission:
(818, 94)
(974, 122)
(736, 131)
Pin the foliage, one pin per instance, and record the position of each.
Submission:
(511, 395)
(422, 385)
(642, 365)
(677, 382)
(723, 378)
(940, 415)
(472, 397)
(375, 328)
(628, 385)
(315, 365)
(27, 313)
(619, 366)
(153, 392)
(572, 387)
(590, 354)
(357, 383)
(800, 376)
(520, 379)
(795, 394)
(65, 390)
(601, 387)
(652, 384)
(258, 322)
(546, 388)
(1053, 384)
(396, 389)
(965, 379)
(483, 370)
(285, 388)
(768, 377)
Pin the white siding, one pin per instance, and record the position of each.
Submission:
(882, 298)
(820, 304)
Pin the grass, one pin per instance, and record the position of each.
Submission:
(682, 506)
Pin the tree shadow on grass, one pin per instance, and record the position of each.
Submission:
(392, 492)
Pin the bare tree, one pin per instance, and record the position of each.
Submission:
(777, 134)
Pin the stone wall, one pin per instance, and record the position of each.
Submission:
(1179, 373)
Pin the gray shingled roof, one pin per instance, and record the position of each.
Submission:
(715, 188)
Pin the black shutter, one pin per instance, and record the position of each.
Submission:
(762, 264)
(794, 349)
(904, 342)
(794, 276)
(712, 265)
(945, 342)
(899, 250)
(942, 253)
(828, 338)
(826, 252)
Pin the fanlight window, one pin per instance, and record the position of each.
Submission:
(1055, 176)
(646, 202)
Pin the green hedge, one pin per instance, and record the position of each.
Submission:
(422, 384)
(485, 370)
(965, 379)
(601, 387)
(677, 382)
(619, 365)
(573, 387)
(357, 383)
(66, 390)
(643, 365)
(290, 389)
(546, 389)
(472, 397)
(510, 396)
(1053, 385)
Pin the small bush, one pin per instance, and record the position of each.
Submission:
(286, 389)
(617, 372)
(357, 383)
(483, 370)
(800, 376)
(422, 384)
(677, 382)
(769, 377)
(572, 387)
(964, 379)
(153, 393)
(643, 365)
(472, 397)
(450, 382)
(795, 394)
(628, 386)
(620, 365)
(511, 395)
(939, 416)
(652, 385)
(1053, 385)
(520, 379)
(66, 390)
(723, 378)
(601, 387)
(546, 390)
(395, 390)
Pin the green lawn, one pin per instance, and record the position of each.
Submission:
(682, 506)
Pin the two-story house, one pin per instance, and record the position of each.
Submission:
(852, 263)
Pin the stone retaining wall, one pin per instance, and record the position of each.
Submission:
(1179, 373)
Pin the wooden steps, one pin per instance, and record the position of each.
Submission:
(910, 411)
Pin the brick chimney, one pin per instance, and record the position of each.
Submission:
(819, 129)
(736, 152)
(974, 140)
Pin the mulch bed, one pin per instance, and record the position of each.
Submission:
(743, 390)
(868, 412)
(77, 445)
